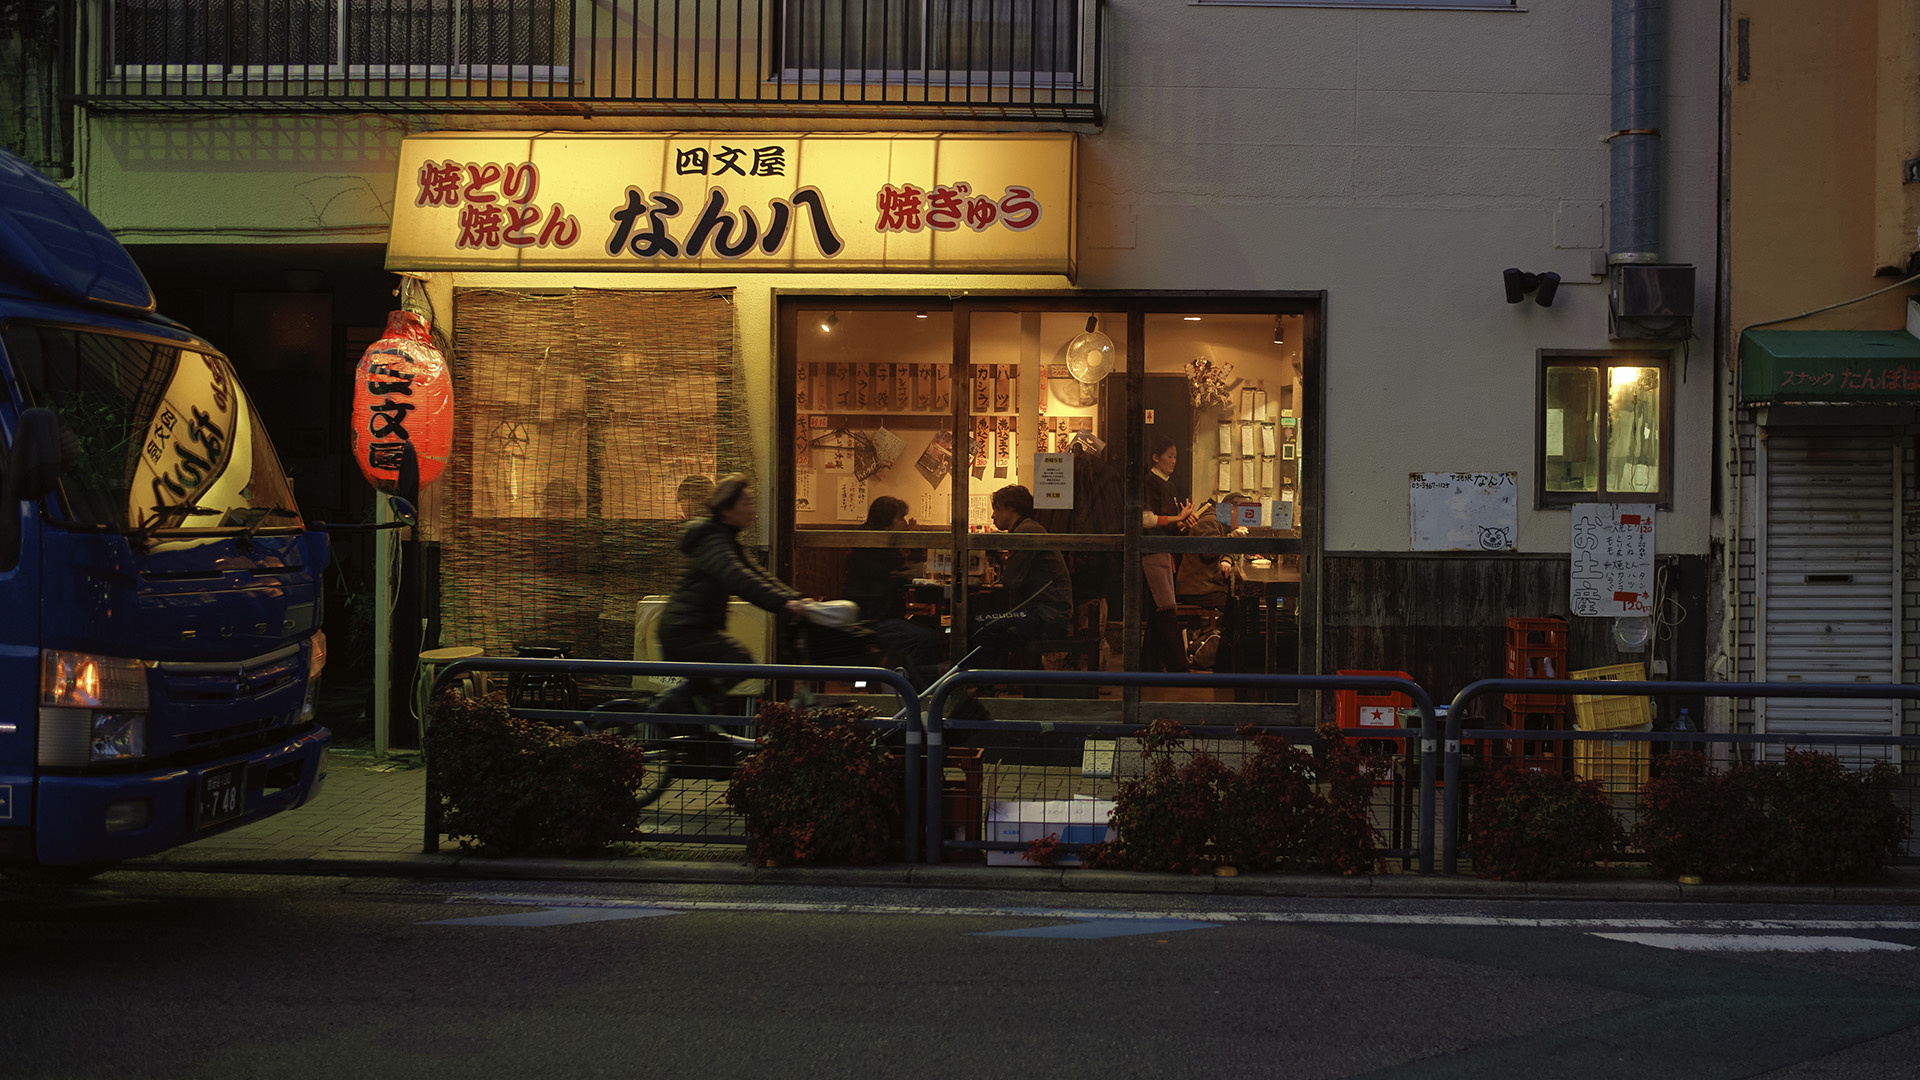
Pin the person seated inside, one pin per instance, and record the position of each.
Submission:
(1204, 581)
(877, 580)
(1037, 589)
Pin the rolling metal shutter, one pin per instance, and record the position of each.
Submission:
(1829, 578)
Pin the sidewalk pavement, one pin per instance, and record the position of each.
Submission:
(368, 821)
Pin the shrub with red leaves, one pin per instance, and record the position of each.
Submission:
(1529, 825)
(818, 790)
(508, 786)
(1283, 808)
(1808, 818)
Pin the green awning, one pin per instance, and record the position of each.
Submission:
(1834, 366)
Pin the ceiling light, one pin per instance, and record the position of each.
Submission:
(1279, 332)
(919, 314)
(832, 320)
(1191, 318)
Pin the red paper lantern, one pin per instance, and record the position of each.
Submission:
(402, 395)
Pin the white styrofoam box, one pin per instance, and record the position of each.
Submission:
(746, 624)
(1079, 820)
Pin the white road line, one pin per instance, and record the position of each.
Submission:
(1757, 942)
(1328, 918)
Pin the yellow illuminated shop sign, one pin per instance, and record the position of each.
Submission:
(735, 201)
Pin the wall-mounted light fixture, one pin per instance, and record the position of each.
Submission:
(832, 320)
(1519, 283)
(1279, 332)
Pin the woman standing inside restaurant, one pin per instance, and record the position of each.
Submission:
(1163, 513)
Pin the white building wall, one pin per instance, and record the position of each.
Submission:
(1397, 159)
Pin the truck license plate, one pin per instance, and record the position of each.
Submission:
(223, 794)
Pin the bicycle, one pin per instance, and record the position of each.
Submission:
(691, 745)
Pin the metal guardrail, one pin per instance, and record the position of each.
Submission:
(936, 723)
(909, 716)
(924, 776)
(1449, 824)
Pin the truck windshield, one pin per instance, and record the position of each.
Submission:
(157, 436)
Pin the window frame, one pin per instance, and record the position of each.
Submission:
(1604, 360)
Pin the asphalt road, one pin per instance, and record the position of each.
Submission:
(145, 974)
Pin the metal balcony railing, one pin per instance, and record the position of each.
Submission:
(1021, 60)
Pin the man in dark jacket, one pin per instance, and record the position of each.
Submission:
(694, 627)
(1039, 595)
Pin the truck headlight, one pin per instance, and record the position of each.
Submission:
(93, 709)
(85, 681)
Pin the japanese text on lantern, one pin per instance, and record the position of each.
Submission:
(496, 204)
(386, 417)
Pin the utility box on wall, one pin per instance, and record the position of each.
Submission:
(1650, 301)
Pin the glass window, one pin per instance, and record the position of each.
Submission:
(899, 446)
(1603, 429)
(979, 41)
(322, 36)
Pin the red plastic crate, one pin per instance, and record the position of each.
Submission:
(1536, 662)
(1548, 633)
(1355, 709)
(1544, 754)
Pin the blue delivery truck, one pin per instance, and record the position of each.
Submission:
(160, 594)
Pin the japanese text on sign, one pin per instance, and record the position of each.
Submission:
(497, 210)
(1612, 559)
(190, 439)
(1881, 379)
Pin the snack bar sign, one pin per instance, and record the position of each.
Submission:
(735, 201)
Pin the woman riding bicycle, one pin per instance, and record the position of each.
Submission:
(694, 627)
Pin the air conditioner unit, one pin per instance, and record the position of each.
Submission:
(1651, 300)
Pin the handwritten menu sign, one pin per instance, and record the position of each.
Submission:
(1612, 559)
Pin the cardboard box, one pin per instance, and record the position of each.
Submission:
(1079, 820)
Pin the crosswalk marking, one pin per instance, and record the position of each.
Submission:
(1757, 942)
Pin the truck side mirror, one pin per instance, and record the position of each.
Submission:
(32, 468)
(33, 465)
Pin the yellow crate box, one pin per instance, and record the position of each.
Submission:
(1620, 767)
(1603, 712)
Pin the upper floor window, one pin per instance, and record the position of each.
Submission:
(1492, 5)
(1604, 429)
(1016, 42)
(342, 38)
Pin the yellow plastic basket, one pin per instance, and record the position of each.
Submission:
(1600, 712)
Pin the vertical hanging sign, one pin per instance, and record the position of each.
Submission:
(1612, 559)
